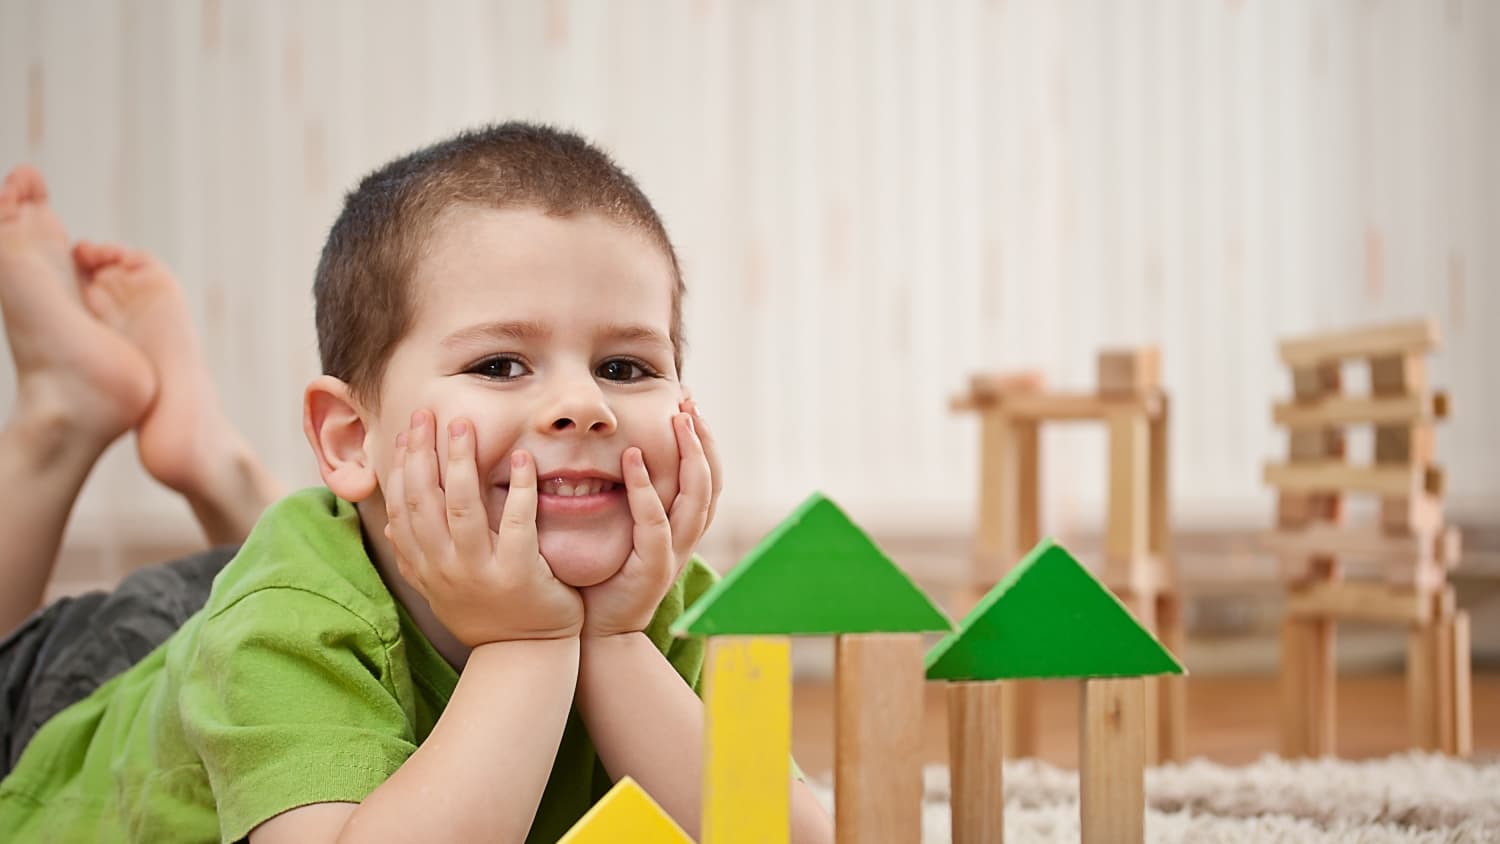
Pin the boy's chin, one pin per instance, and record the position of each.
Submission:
(579, 563)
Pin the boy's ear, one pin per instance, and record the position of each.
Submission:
(336, 432)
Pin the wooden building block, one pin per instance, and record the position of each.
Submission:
(878, 738)
(1355, 410)
(976, 751)
(1143, 606)
(1420, 514)
(747, 727)
(997, 536)
(1129, 528)
(1411, 338)
(1315, 444)
(1421, 678)
(1028, 527)
(1294, 714)
(1129, 371)
(1064, 407)
(1001, 384)
(1159, 470)
(1314, 381)
(1443, 663)
(626, 813)
(1397, 374)
(1171, 691)
(1463, 691)
(1308, 690)
(1338, 476)
(1111, 761)
(1405, 444)
(1357, 600)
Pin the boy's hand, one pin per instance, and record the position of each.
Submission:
(626, 601)
(483, 586)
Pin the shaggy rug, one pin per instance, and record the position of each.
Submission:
(1410, 797)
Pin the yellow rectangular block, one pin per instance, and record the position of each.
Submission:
(747, 741)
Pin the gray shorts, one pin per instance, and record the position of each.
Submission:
(64, 652)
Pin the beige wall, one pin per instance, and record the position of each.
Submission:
(872, 199)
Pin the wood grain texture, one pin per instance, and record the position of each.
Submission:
(878, 738)
(1112, 760)
(976, 753)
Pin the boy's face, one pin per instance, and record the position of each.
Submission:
(551, 335)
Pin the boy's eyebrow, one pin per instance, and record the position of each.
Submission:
(516, 330)
(522, 330)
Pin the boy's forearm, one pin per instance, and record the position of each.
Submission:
(647, 723)
(480, 774)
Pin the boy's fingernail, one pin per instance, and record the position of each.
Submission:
(456, 429)
(693, 407)
(401, 440)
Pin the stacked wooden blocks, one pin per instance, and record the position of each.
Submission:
(1411, 544)
(1138, 559)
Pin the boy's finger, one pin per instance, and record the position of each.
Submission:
(653, 532)
(711, 450)
(424, 502)
(398, 525)
(518, 517)
(690, 509)
(468, 523)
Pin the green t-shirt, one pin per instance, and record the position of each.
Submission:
(301, 681)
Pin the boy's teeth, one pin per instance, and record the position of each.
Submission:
(588, 487)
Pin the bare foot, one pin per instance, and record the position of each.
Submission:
(75, 376)
(185, 440)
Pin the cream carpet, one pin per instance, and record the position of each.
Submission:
(1410, 797)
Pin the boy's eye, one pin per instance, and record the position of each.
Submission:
(623, 369)
(499, 368)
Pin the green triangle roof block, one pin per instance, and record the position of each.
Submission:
(1049, 617)
(816, 573)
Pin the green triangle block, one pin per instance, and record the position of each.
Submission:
(816, 573)
(1049, 618)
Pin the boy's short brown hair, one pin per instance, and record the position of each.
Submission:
(364, 304)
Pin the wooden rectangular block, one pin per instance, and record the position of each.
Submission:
(997, 534)
(1315, 444)
(747, 725)
(1414, 337)
(1420, 514)
(1112, 760)
(1338, 476)
(1421, 680)
(1405, 444)
(1463, 690)
(878, 738)
(1129, 371)
(1129, 521)
(1358, 600)
(1160, 543)
(1316, 381)
(1171, 691)
(1352, 410)
(976, 754)
(1309, 724)
(1396, 374)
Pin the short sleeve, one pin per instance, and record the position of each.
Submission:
(288, 700)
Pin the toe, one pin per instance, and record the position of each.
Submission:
(91, 257)
(28, 184)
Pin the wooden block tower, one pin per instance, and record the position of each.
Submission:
(1138, 564)
(1411, 544)
(1050, 618)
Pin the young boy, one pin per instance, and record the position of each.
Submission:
(464, 635)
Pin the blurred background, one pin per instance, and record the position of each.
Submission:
(872, 201)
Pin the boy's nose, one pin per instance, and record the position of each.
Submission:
(578, 407)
